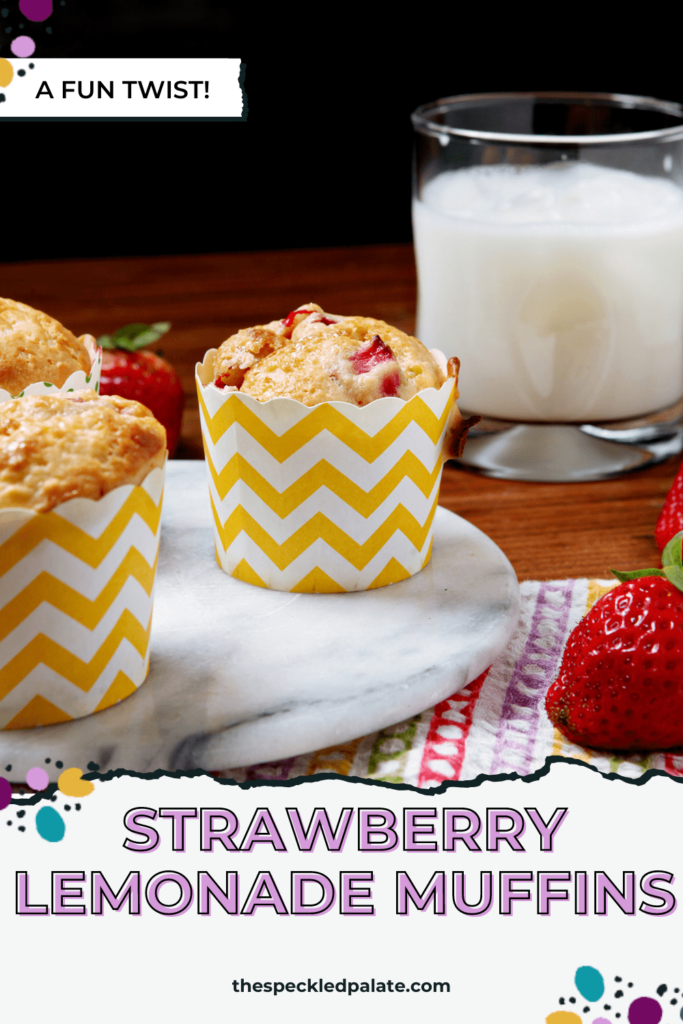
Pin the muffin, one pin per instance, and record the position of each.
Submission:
(74, 445)
(81, 481)
(325, 437)
(36, 348)
(314, 357)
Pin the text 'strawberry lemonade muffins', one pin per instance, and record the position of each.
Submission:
(38, 355)
(81, 480)
(325, 437)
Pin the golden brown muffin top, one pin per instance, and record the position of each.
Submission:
(34, 347)
(313, 357)
(74, 444)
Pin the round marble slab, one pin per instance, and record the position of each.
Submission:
(241, 675)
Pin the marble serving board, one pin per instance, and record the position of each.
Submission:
(240, 675)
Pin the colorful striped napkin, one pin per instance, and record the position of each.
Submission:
(497, 724)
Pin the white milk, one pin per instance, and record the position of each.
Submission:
(559, 287)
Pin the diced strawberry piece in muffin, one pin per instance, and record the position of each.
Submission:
(291, 317)
(377, 352)
(389, 385)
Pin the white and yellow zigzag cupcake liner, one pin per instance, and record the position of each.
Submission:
(76, 593)
(321, 499)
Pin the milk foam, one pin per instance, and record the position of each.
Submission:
(568, 193)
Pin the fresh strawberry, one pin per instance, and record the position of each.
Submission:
(143, 376)
(670, 519)
(620, 685)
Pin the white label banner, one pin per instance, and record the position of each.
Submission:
(121, 87)
(188, 899)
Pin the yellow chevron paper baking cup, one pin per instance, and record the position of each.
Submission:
(76, 593)
(326, 498)
(78, 381)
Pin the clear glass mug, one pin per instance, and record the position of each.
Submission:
(549, 246)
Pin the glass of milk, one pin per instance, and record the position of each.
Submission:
(549, 245)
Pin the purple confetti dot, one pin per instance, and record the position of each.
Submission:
(5, 793)
(36, 10)
(601, 1020)
(37, 778)
(644, 1011)
(22, 46)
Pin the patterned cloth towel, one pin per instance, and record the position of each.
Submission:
(497, 724)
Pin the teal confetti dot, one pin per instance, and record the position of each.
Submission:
(50, 824)
(590, 983)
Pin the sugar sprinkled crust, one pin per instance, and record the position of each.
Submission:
(74, 445)
(35, 347)
(313, 357)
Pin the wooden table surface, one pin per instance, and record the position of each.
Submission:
(548, 531)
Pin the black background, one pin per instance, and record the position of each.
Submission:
(324, 157)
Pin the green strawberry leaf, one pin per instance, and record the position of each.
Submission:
(674, 574)
(671, 555)
(134, 336)
(636, 574)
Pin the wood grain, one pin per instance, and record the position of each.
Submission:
(548, 531)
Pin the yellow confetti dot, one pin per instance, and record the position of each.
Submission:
(71, 783)
(6, 72)
(563, 1017)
